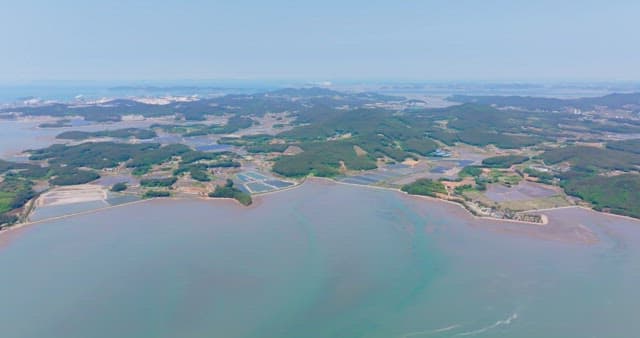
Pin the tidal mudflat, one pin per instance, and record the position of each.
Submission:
(321, 260)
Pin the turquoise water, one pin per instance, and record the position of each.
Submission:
(322, 260)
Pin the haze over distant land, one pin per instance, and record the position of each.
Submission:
(239, 169)
(444, 40)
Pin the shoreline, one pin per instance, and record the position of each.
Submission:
(323, 180)
(21, 225)
(628, 218)
(545, 219)
(55, 218)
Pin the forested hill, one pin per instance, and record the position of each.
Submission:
(630, 101)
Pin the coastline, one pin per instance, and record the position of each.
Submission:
(327, 181)
(430, 198)
(256, 202)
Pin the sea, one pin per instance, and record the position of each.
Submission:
(320, 260)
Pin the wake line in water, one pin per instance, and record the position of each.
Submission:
(430, 332)
(494, 325)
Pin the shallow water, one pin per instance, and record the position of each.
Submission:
(322, 260)
(18, 136)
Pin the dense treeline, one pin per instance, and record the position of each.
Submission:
(7, 219)
(229, 191)
(590, 175)
(543, 177)
(157, 155)
(260, 143)
(384, 133)
(72, 176)
(198, 172)
(246, 140)
(182, 128)
(156, 193)
(447, 137)
(158, 182)
(483, 125)
(142, 134)
(323, 159)
(59, 173)
(15, 192)
(380, 133)
(425, 187)
(64, 161)
(331, 137)
(501, 140)
(195, 156)
(15, 166)
(267, 148)
(97, 155)
(586, 157)
(209, 160)
(470, 171)
(118, 187)
(504, 161)
(224, 163)
(632, 146)
(618, 194)
(57, 124)
(234, 124)
(100, 155)
(422, 146)
(197, 164)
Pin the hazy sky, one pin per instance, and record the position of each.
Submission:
(320, 40)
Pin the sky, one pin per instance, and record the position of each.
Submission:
(413, 40)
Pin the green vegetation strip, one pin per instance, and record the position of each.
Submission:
(142, 134)
(424, 187)
(229, 191)
(504, 161)
(617, 194)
